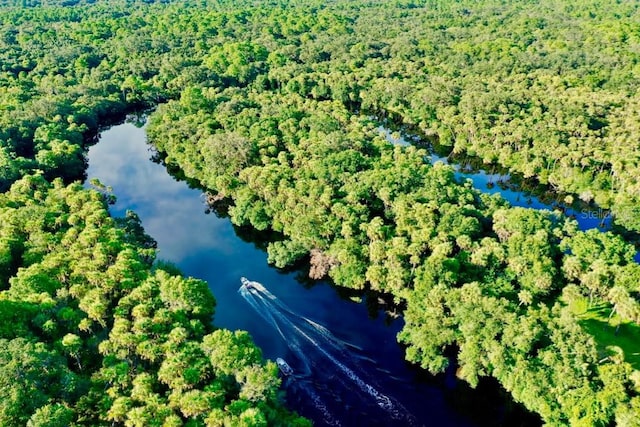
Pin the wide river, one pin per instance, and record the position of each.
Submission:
(351, 373)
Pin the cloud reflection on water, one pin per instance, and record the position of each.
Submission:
(121, 160)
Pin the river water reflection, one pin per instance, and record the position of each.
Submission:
(207, 247)
(587, 216)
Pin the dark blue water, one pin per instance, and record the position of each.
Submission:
(207, 247)
(492, 183)
(587, 217)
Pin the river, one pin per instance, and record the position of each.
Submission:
(588, 217)
(207, 247)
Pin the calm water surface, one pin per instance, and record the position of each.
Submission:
(587, 217)
(207, 247)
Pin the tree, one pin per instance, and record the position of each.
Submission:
(72, 344)
(32, 376)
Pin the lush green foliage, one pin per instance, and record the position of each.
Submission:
(91, 335)
(474, 273)
(272, 107)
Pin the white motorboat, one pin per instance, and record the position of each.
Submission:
(284, 367)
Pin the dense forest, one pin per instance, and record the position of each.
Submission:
(274, 107)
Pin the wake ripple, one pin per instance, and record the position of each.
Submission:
(314, 344)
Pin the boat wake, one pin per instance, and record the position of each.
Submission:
(323, 358)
